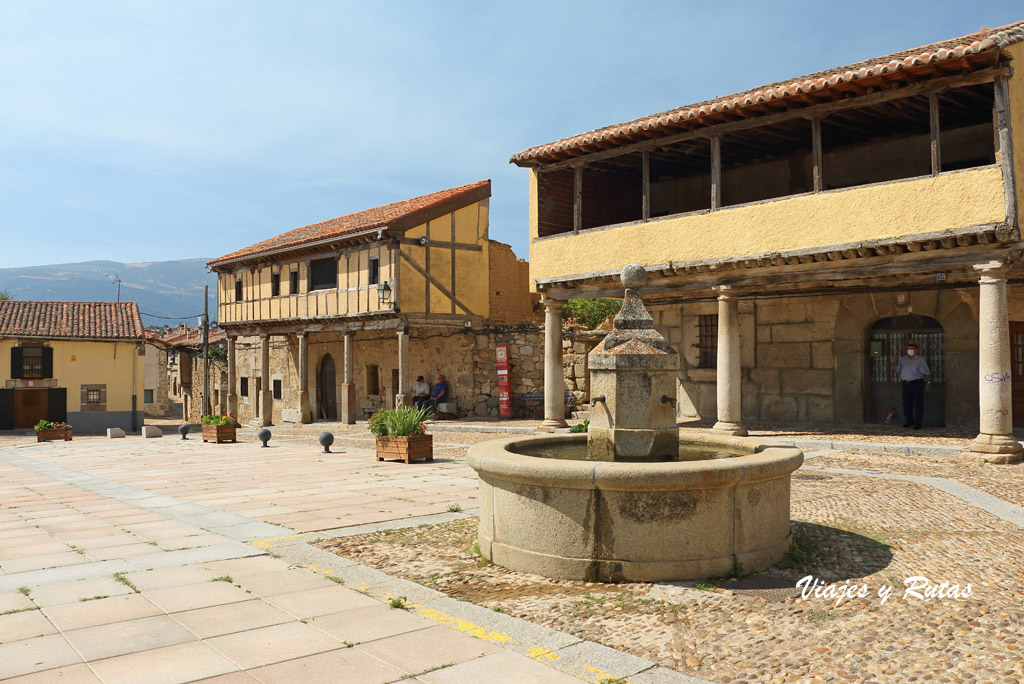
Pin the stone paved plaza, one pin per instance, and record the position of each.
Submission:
(177, 561)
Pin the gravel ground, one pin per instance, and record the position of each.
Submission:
(846, 528)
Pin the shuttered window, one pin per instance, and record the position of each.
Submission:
(323, 274)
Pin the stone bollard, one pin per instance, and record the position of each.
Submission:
(326, 439)
(151, 431)
(115, 433)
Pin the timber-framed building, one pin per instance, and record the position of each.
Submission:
(334, 320)
(797, 235)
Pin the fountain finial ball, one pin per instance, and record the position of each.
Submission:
(633, 276)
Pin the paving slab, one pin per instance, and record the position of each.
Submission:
(70, 616)
(175, 664)
(343, 665)
(119, 638)
(498, 667)
(36, 655)
(278, 643)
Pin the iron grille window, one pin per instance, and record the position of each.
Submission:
(275, 284)
(1017, 353)
(92, 396)
(31, 362)
(931, 346)
(323, 274)
(707, 340)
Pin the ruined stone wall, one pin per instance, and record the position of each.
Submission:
(156, 380)
(193, 407)
(510, 299)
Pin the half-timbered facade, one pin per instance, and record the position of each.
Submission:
(336, 319)
(799, 234)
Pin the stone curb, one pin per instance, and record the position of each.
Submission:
(586, 660)
(510, 429)
(887, 447)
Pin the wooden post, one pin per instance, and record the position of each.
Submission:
(645, 157)
(1006, 148)
(933, 116)
(716, 173)
(819, 181)
(577, 199)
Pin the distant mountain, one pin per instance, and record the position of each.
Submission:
(172, 290)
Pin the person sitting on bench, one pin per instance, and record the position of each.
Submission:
(440, 393)
(420, 392)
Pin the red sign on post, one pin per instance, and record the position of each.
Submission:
(504, 397)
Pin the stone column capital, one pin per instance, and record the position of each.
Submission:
(553, 304)
(992, 270)
(725, 292)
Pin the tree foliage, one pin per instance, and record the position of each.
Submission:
(5, 296)
(590, 312)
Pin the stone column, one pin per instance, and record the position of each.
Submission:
(995, 443)
(303, 371)
(348, 387)
(402, 395)
(728, 376)
(266, 395)
(232, 379)
(554, 382)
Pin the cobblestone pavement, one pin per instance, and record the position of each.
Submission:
(148, 561)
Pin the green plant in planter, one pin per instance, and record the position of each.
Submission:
(400, 422)
(44, 425)
(219, 420)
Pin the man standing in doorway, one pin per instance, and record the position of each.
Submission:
(916, 378)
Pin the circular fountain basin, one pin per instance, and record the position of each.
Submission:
(613, 521)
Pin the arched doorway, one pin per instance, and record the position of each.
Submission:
(887, 338)
(326, 397)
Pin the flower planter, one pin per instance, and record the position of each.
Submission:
(219, 433)
(56, 434)
(408, 448)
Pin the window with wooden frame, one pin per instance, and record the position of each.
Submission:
(31, 362)
(374, 270)
(238, 289)
(707, 340)
(243, 386)
(93, 398)
(372, 379)
(293, 282)
(323, 274)
(275, 284)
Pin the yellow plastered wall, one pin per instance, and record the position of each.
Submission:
(952, 200)
(91, 363)
(467, 225)
(1016, 87)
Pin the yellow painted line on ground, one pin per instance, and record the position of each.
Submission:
(542, 654)
(461, 625)
(265, 543)
(597, 676)
(317, 569)
(362, 587)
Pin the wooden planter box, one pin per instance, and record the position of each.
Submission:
(54, 435)
(410, 448)
(219, 433)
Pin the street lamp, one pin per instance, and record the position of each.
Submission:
(384, 293)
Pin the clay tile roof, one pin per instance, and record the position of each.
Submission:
(71, 320)
(665, 123)
(352, 223)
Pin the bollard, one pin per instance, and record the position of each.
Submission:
(183, 430)
(264, 436)
(326, 439)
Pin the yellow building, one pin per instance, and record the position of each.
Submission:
(78, 362)
(322, 320)
(797, 235)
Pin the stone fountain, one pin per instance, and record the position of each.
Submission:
(630, 501)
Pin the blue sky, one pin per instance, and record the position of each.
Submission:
(136, 130)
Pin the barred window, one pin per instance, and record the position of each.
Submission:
(708, 340)
(31, 362)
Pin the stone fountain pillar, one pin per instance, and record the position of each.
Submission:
(633, 385)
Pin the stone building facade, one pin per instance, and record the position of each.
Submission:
(797, 236)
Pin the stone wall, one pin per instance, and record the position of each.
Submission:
(192, 407)
(465, 356)
(156, 380)
(806, 359)
(575, 347)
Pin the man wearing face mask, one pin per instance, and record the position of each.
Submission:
(917, 379)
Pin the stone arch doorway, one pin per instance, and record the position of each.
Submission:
(887, 338)
(326, 390)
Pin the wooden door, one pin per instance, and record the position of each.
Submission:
(1017, 370)
(30, 406)
(326, 389)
